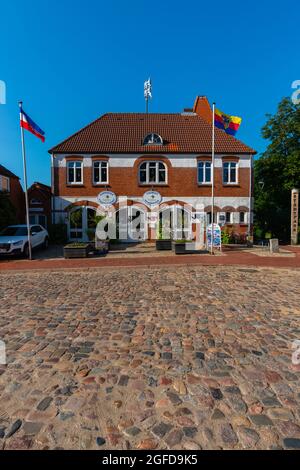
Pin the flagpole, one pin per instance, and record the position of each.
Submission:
(213, 180)
(25, 184)
(250, 201)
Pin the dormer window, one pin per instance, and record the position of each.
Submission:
(153, 139)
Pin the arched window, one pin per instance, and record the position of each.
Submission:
(153, 173)
(153, 139)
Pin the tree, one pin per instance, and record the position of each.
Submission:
(7, 210)
(76, 220)
(277, 172)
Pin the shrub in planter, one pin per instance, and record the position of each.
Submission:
(76, 250)
(162, 243)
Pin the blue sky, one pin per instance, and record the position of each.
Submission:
(71, 61)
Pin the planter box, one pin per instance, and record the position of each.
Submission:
(180, 248)
(76, 252)
(102, 246)
(163, 245)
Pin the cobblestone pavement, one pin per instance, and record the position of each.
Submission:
(156, 358)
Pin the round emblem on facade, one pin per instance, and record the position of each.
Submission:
(152, 198)
(107, 198)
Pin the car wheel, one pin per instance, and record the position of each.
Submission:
(46, 243)
(26, 251)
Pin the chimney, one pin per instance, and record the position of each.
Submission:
(202, 108)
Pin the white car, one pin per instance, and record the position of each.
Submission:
(14, 239)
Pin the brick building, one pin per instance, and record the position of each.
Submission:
(10, 183)
(129, 154)
(39, 198)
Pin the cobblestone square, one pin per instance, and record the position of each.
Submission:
(179, 357)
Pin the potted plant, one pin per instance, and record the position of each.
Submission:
(161, 242)
(76, 250)
(181, 247)
(101, 246)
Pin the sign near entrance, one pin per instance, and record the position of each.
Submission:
(294, 216)
(152, 198)
(213, 232)
(107, 198)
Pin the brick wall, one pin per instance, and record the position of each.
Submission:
(44, 196)
(17, 198)
(182, 182)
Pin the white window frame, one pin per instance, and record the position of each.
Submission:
(74, 163)
(157, 182)
(4, 178)
(229, 172)
(96, 183)
(204, 163)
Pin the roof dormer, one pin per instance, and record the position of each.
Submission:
(153, 139)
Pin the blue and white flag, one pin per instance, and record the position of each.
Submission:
(148, 89)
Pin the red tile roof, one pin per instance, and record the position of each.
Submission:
(124, 133)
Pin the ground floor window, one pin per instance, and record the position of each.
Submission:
(82, 223)
(209, 217)
(242, 217)
(175, 222)
(228, 217)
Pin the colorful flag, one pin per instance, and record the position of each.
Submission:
(27, 123)
(229, 124)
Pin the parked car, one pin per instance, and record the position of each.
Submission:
(14, 239)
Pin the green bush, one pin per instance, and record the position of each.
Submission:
(77, 245)
(225, 236)
(58, 234)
